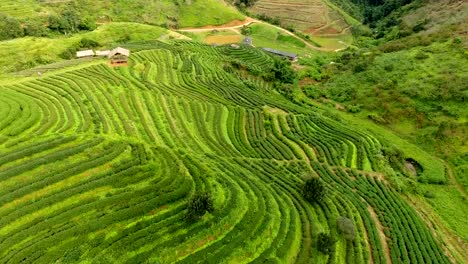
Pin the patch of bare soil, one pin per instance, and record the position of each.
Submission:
(234, 23)
(410, 168)
(222, 39)
(306, 81)
(340, 107)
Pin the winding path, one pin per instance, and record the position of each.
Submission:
(249, 21)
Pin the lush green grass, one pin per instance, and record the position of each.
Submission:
(417, 92)
(449, 203)
(207, 12)
(25, 53)
(19, 8)
(155, 12)
(266, 36)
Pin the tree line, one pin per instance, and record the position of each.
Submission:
(66, 22)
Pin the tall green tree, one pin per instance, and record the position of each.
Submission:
(198, 205)
(10, 28)
(325, 243)
(314, 190)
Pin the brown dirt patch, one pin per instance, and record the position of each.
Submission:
(306, 81)
(329, 30)
(340, 107)
(234, 23)
(204, 241)
(222, 39)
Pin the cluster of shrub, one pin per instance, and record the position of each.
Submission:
(281, 74)
(67, 22)
(242, 4)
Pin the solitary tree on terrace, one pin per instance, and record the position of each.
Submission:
(198, 205)
(314, 190)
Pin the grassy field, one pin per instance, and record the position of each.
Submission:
(97, 165)
(20, 8)
(266, 36)
(263, 35)
(154, 12)
(25, 53)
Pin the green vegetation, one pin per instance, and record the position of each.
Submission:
(407, 75)
(65, 17)
(325, 243)
(267, 36)
(111, 157)
(314, 190)
(346, 227)
(195, 153)
(206, 12)
(25, 53)
(198, 205)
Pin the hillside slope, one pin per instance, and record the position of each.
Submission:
(164, 13)
(408, 75)
(97, 164)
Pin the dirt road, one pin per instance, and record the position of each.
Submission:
(247, 22)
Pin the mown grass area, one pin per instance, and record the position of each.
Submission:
(266, 36)
(333, 43)
(25, 53)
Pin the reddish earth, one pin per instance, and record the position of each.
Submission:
(234, 23)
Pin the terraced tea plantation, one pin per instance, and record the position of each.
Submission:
(311, 16)
(97, 165)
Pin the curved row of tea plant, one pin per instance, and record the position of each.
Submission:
(97, 164)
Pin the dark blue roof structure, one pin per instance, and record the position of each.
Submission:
(291, 56)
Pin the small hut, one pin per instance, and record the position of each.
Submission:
(84, 54)
(119, 55)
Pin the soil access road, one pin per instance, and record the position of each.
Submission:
(246, 22)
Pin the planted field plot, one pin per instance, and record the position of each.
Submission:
(222, 39)
(97, 164)
(20, 8)
(311, 16)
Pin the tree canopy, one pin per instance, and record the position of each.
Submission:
(198, 205)
(314, 190)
